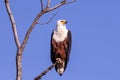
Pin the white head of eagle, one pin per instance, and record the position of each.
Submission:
(60, 46)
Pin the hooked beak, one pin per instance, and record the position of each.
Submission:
(64, 21)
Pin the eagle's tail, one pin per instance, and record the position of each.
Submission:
(60, 66)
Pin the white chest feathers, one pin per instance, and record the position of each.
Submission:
(60, 34)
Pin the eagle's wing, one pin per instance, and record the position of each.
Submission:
(68, 49)
(52, 52)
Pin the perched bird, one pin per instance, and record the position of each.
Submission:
(60, 46)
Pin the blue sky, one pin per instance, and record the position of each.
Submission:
(95, 27)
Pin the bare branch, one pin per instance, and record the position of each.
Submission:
(13, 23)
(71, 2)
(60, 4)
(45, 71)
(19, 52)
(48, 4)
(30, 29)
(42, 7)
(42, 23)
(19, 64)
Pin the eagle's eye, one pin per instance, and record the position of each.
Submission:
(61, 21)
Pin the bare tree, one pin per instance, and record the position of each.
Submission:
(21, 46)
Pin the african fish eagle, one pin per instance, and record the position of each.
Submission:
(60, 46)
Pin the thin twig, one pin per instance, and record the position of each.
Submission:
(42, 7)
(60, 4)
(48, 4)
(71, 2)
(13, 23)
(42, 23)
(45, 71)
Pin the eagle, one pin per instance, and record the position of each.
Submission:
(60, 46)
